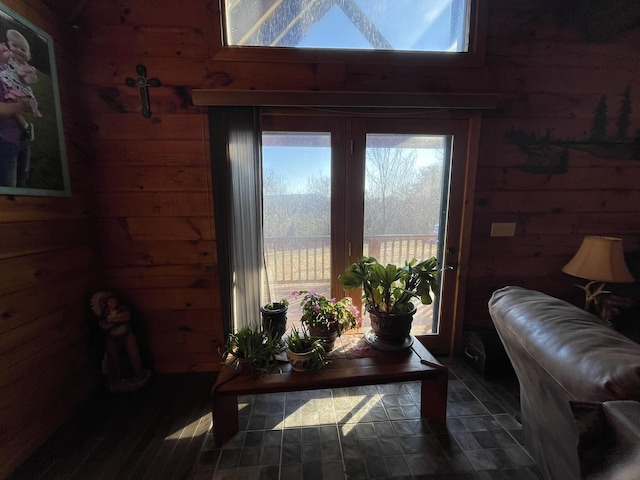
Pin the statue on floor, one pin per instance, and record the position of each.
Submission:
(122, 362)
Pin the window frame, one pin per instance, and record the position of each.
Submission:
(473, 57)
(464, 126)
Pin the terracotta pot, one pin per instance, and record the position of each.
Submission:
(328, 336)
(392, 328)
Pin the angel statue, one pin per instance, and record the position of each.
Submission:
(115, 321)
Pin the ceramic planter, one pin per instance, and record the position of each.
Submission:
(301, 362)
(328, 336)
(390, 331)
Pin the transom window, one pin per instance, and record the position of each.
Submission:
(403, 25)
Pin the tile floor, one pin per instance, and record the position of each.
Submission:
(375, 432)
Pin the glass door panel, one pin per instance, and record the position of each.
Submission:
(340, 187)
(296, 184)
(405, 177)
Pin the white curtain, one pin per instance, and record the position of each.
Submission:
(237, 190)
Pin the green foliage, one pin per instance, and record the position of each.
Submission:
(320, 311)
(253, 345)
(390, 289)
(624, 117)
(599, 127)
(277, 305)
(300, 341)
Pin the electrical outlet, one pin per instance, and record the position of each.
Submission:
(503, 229)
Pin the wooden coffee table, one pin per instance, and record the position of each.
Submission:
(358, 366)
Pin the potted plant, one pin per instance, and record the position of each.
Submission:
(388, 292)
(327, 318)
(274, 317)
(304, 351)
(252, 350)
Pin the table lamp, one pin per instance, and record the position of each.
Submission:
(600, 260)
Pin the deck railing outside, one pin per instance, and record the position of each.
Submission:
(306, 261)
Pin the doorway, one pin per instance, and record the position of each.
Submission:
(336, 188)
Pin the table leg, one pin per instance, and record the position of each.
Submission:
(433, 397)
(225, 418)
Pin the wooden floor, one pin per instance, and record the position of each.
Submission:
(159, 432)
(152, 434)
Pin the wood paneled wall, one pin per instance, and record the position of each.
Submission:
(153, 178)
(550, 79)
(547, 75)
(49, 263)
(146, 183)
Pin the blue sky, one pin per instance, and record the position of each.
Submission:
(420, 25)
(406, 24)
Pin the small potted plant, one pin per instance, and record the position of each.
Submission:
(304, 351)
(274, 317)
(327, 318)
(388, 293)
(252, 350)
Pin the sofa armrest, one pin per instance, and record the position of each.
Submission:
(562, 355)
(587, 358)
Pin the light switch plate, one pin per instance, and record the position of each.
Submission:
(503, 229)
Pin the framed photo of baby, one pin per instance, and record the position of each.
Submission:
(33, 160)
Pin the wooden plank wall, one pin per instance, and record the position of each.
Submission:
(49, 264)
(549, 79)
(153, 172)
(153, 178)
(146, 183)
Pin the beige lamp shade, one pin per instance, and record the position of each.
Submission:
(600, 259)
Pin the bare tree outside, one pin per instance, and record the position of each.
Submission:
(318, 204)
(401, 197)
(277, 213)
(403, 194)
(387, 172)
(424, 197)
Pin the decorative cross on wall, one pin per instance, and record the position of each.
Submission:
(143, 83)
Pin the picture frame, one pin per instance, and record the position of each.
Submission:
(40, 166)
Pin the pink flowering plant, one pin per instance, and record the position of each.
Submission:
(320, 311)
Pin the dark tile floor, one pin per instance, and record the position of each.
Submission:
(376, 432)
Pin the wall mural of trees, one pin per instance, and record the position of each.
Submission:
(546, 154)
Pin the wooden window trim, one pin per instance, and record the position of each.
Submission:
(284, 98)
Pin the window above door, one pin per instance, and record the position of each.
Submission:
(410, 25)
(397, 31)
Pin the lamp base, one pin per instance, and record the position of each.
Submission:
(592, 291)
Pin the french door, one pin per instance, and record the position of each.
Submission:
(336, 188)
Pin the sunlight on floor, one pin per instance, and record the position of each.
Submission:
(195, 429)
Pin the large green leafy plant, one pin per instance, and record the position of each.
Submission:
(390, 289)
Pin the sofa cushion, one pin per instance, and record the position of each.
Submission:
(587, 358)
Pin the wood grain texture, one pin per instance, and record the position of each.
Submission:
(49, 260)
(155, 434)
(140, 218)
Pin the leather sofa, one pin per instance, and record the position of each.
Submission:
(579, 385)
